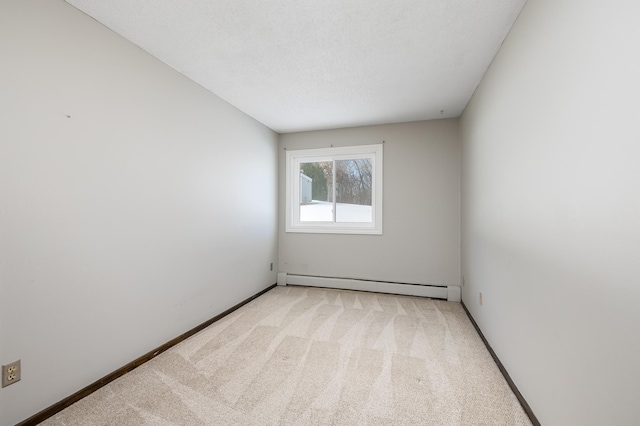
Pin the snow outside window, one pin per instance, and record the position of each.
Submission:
(335, 190)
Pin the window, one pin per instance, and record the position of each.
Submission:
(335, 190)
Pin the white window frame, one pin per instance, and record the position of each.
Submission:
(293, 160)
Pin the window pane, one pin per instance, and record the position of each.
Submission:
(316, 192)
(353, 190)
(331, 190)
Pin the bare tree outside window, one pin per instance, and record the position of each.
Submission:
(353, 181)
(353, 190)
(321, 174)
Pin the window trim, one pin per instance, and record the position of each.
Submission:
(292, 193)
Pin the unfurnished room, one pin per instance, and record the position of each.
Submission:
(227, 212)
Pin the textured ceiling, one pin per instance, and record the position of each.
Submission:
(299, 65)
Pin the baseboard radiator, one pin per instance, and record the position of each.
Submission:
(450, 293)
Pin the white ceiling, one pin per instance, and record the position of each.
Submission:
(298, 65)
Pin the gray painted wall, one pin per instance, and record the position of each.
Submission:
(119, 228)
(421, 229)
(551, 209)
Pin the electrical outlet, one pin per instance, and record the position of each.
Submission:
(10, 373)
(271, 266)
(481, 298)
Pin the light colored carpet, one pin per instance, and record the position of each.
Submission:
(309, 356)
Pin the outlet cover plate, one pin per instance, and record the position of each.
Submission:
(10, 373)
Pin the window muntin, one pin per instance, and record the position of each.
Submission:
(335, 190)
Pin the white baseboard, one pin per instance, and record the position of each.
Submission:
(450, 293)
